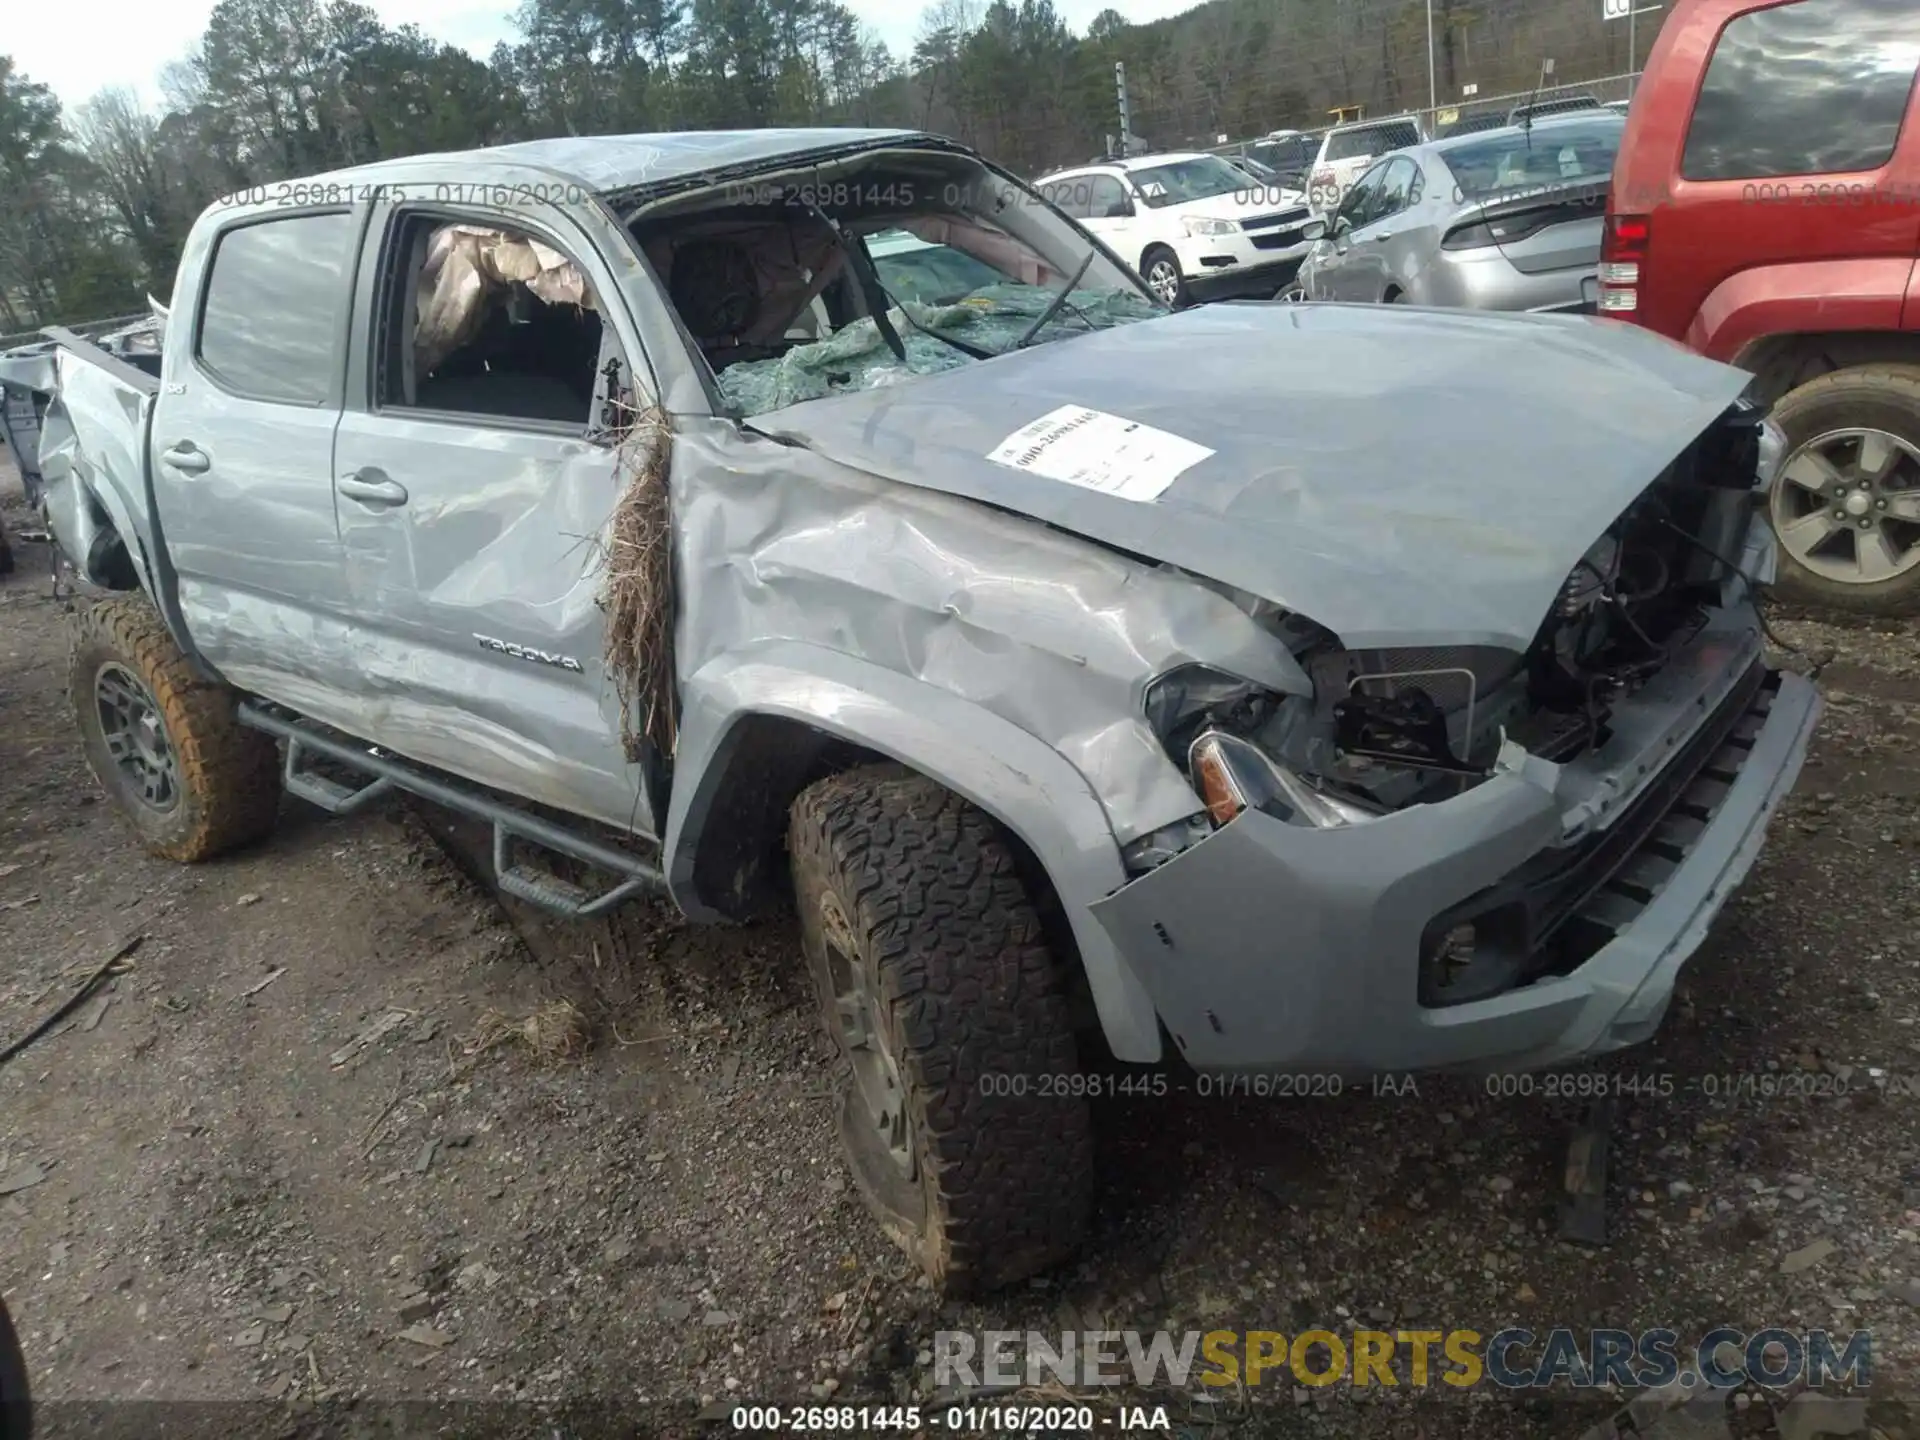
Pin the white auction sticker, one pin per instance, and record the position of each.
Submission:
(1103, 452)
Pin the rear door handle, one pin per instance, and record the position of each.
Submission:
(372, 487)
(188, 458)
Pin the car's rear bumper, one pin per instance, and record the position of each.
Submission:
(1271, 946)
(1487, 280)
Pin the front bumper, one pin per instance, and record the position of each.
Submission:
(1270, 945)
(1263, 278)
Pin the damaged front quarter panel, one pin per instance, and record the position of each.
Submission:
(1008, 660)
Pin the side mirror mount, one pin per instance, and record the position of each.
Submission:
(16, 1405)
(1342, 226)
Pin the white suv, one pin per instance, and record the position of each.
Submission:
(1348, 151)
(1191, 224)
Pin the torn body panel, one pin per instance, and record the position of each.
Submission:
(1053, 634)
(1470, 934)
(92, 460)
(1354, 477)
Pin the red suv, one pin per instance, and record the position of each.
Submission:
(1766, 211)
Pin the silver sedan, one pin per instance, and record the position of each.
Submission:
(1507, 219)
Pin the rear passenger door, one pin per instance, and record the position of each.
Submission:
(242, 445)
(474, 480)
(1799, 148)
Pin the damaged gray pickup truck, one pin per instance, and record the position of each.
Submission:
(821, 518)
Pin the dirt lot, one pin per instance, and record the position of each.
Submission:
(215, 1187)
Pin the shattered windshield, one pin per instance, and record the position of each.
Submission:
(1200, 178)
(783, 301)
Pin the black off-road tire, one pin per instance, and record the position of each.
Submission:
(228, 775)
(16, 1407)
(1885, 397)
(921, 890)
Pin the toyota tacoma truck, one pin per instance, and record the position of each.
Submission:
(1259, 689)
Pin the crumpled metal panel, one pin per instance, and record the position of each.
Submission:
(1056, 635)
(633, 165)
(1403, 478)
(92, 443)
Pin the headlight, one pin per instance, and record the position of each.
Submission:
(1204, 717)
(1232, 774)
(1212, 227)
(1773, 454)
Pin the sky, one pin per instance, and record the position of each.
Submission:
(81, 46)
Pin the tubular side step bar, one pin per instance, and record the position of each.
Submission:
(386, 773)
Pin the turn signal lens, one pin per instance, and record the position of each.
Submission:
(1213, 778)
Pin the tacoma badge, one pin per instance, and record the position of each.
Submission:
(528, 652)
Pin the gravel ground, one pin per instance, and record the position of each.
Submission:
(306, 1159)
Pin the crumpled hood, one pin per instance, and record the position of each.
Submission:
(1403, 477)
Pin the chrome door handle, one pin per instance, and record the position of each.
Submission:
(372, 487)
(188, 458)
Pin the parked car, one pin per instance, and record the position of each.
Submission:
(1764, 212)
(1552, 105)
(1507, 220)
(1288, 153)
(1312, 690)
(1194, 226)
(1473, 122)
(1347, 151)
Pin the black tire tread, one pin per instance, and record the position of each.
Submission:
(229, 774)
(933, 889)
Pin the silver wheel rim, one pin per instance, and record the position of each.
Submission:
(1292, 295)
(1163, 278)
(136, 738)
(880, 1095)
(1847, 506)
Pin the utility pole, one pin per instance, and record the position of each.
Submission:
(1433, 88)
(1126, 117)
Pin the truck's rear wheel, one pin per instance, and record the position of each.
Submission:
(164, 744)
(951, 1019)
(1847, 504)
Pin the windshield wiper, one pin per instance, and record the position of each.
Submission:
(1054, 305)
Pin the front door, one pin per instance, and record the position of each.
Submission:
(1367, 271)
(242, 440)
(475, 477)
(1335, 273)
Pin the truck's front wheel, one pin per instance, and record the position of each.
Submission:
(163, 743)
(966, 1137)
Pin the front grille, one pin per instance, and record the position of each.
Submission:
(1557, 911)
(1277, 240)
(1294, 218)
